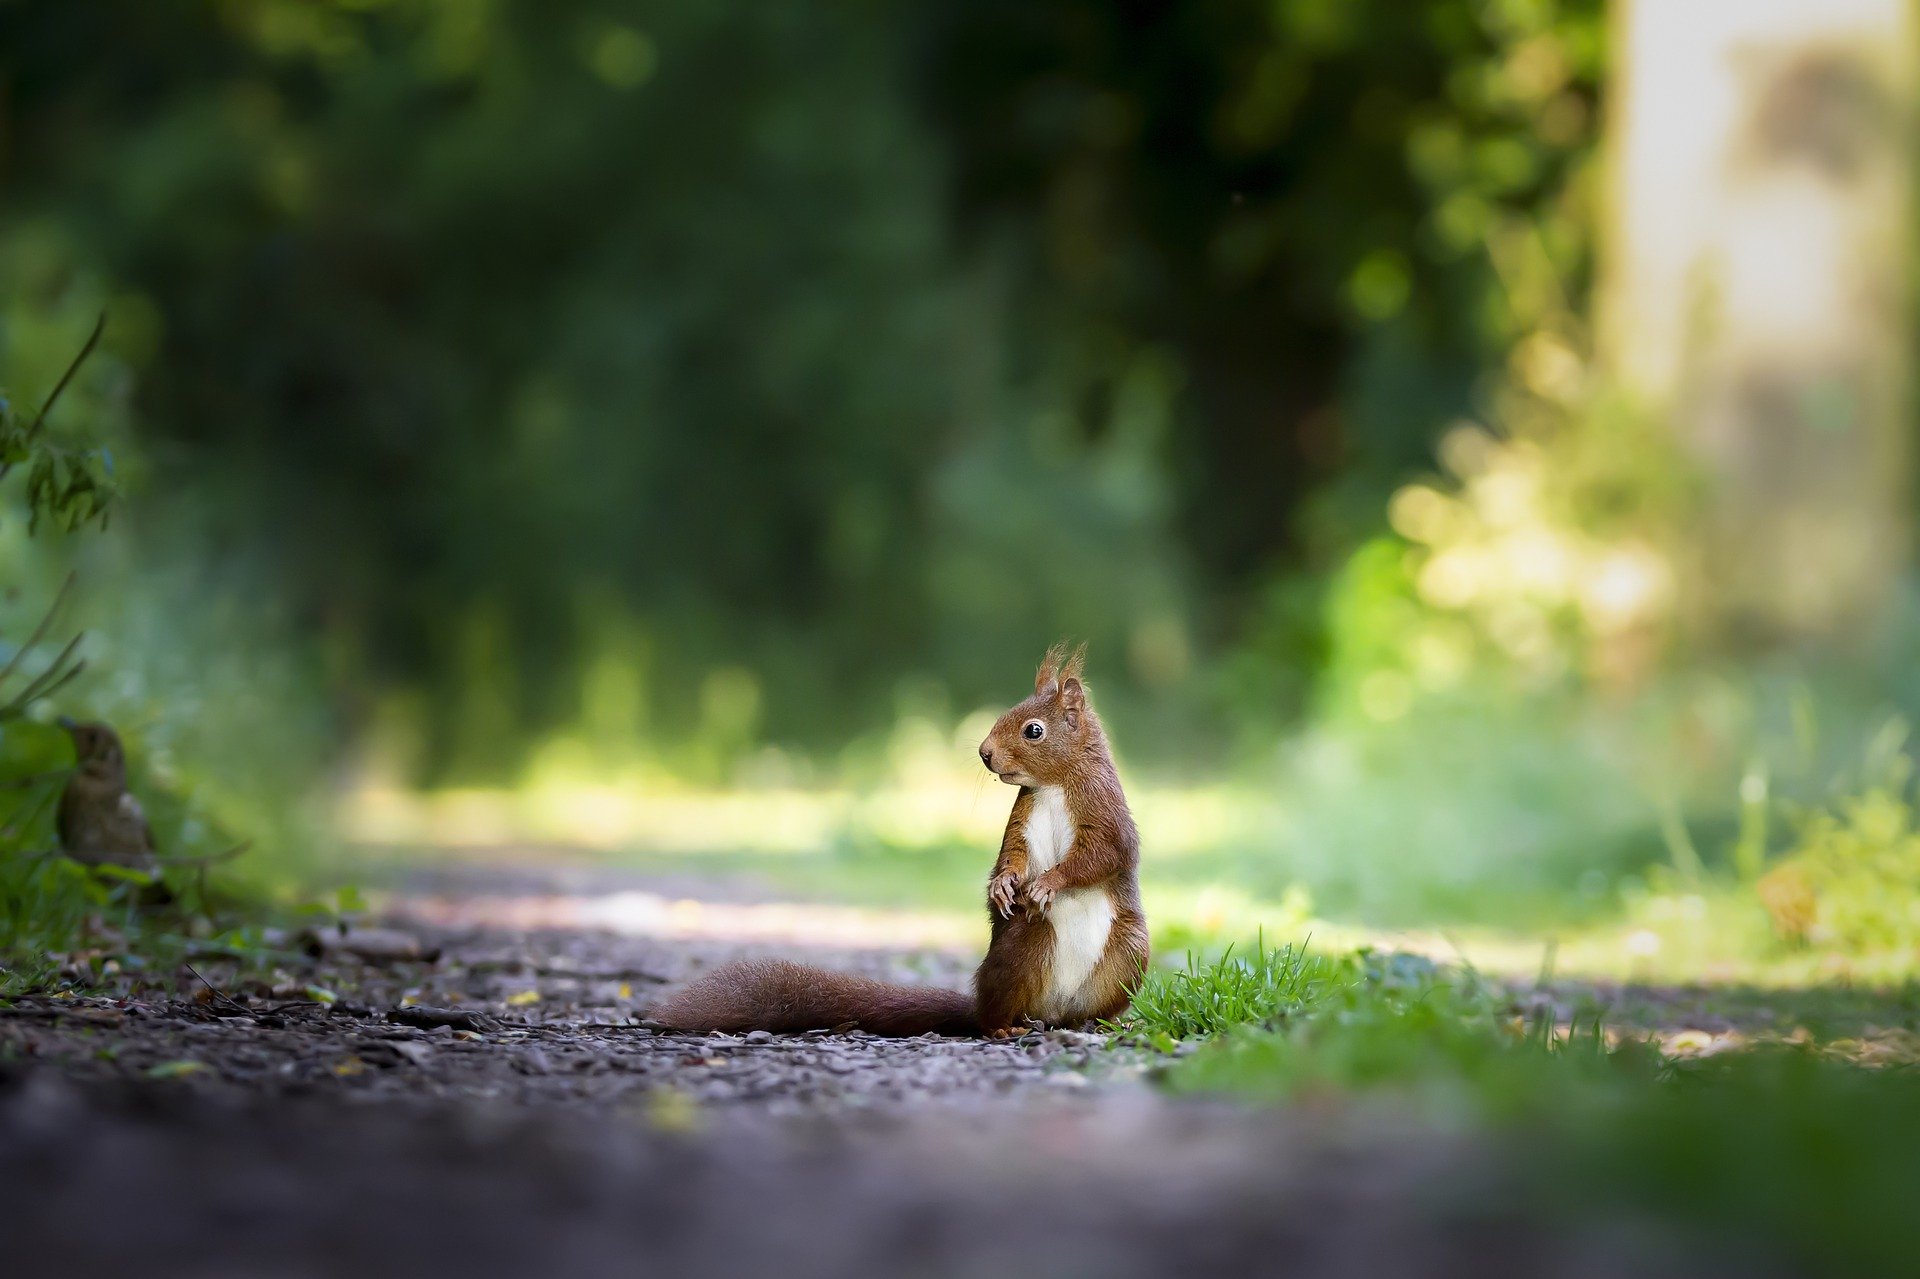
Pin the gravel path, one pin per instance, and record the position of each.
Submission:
(503, 1109)
(547, 1019)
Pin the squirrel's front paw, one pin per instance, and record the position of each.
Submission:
(1040, 895)
(1002, 890)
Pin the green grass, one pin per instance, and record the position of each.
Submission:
(51, 908)
(64, 926)
(1390, 1023)
(1260, 987)
(1789, 1150)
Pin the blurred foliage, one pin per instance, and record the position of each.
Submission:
(679, 379)
(1310, 206)
(608, 395)
(69, 487)
(1787, 1150)
(223, 735)
(1852, 880)
(1337, 219)
(44, 896)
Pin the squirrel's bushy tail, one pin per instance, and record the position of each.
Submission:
(772, 994)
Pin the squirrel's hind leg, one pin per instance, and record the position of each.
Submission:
(1013, 977)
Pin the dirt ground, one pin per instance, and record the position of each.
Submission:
(504, 1109)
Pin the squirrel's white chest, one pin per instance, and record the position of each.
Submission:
(1081, 918)
(1049, 831)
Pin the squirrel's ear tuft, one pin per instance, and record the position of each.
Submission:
(1047, 678)
(1074, 664)
(1061, 663)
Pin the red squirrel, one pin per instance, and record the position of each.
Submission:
(1069, 942)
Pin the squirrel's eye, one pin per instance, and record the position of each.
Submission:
(1034, 730)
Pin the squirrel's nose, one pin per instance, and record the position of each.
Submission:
(986, 755)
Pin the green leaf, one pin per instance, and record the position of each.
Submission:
(175, 1069)
(127, 874)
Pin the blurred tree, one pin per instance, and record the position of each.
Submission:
(1299, 201)
(513, 333)
(1328, 223)
(1759, 298)
(496, 315)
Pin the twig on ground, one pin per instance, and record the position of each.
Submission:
(427, 1017)
(217, 993)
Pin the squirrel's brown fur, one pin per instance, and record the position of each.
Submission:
(772, 994)
(1069, 939)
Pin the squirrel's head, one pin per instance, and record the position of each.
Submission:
(1039, 742)
(96, 748)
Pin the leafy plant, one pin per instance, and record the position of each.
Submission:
(46, 901)
(1259, 988)
(66, 486)
(1850, 881)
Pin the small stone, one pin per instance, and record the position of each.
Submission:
(1076, 1038)
(760, 1037)
(412, 1050)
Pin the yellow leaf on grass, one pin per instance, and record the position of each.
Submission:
(348, 1067)
(523, 998)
